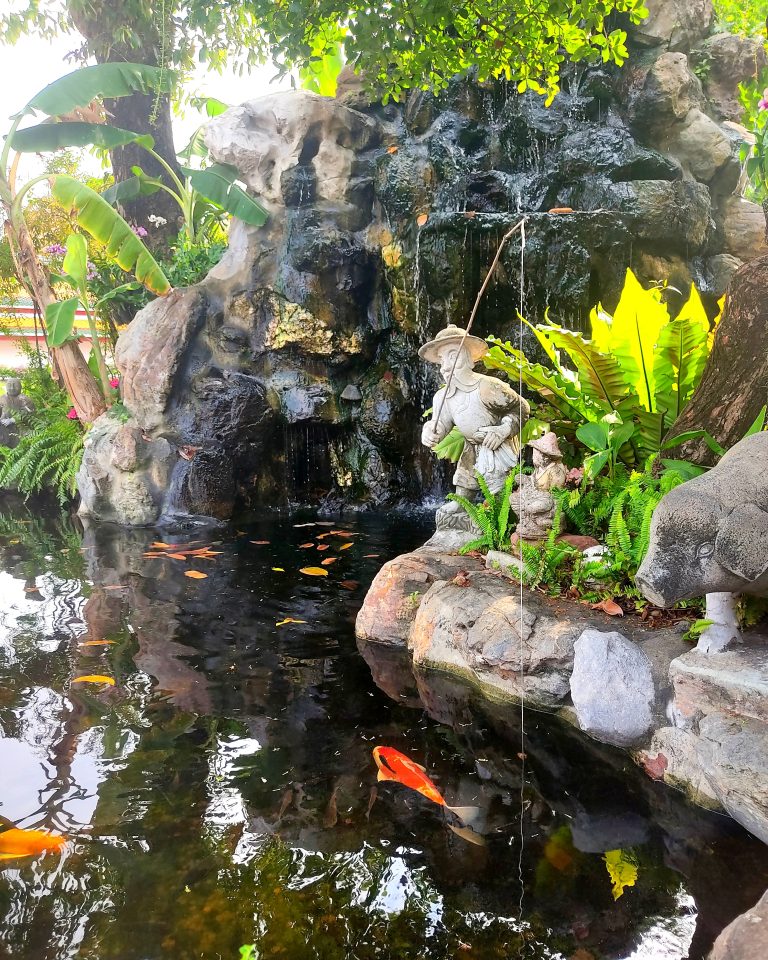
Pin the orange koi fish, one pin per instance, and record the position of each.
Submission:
(394, 765)
(17, 842)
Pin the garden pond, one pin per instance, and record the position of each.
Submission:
(222, 791)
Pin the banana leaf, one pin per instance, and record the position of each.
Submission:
(680, 357)
(79, 88)
(600, 377)
(131, 188)
(55, 136)
(59, 320)
(217, 184)
(76, 260)
(104, 224)
(635, 329)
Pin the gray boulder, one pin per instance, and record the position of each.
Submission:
(612, 688)
(747, 937)
(675, 24)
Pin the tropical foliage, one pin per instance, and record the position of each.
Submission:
(491, 516)
(618, 392)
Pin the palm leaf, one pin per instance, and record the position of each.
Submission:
(47, 136)
(112, 80)
(104, 224)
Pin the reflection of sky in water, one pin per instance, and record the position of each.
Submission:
(669, 937)
(226, 805)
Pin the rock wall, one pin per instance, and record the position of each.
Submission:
(290, 373)
(695, 721)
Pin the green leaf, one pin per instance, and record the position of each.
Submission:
(759, 423)
(600, 376)
(104, 224)
(196, 146)
(680, 357)
(131, 188)
(594, 464)
(450, 447)
(594, 436)
(682, 438)
(59, 320)
(55, 136)
(217, 184)
(79, 88)
(635, 330)
(686, 470)
(76, 258)
(321, 76)
(116, 291)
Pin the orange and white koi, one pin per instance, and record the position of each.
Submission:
(396, 766)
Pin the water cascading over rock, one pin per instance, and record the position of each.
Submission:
(290, 372)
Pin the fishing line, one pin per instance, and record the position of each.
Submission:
(521, 624)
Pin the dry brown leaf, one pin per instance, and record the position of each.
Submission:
(305, 546)
(328, 561)
(177, 556)
(314, 571)
(323, 546)
(610, 607)
(558, 210)
(195, 575)
(349, 584)
(392, 149)
(159, 545)
(260, 543)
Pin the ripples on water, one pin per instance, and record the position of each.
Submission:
(221, 792)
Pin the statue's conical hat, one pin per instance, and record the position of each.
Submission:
(453, 335)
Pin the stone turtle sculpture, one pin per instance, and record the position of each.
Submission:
(710, 536)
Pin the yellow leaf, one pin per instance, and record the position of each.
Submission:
(195, 574)
(94, 678)
(96, 643)
(622, 869)
(346, 546)
(279, 569)
(314, 571)
(159, 545)
(282, 623)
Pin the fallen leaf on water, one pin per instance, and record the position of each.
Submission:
(371, 800)
(279, 569)
(282, 623)
(305, 546)
(622, 869)
(349, 584)
(344, 533)
(96, 643)
(297, 525)
(346, 546)
(422, 219)
(314, 571)
(260, 543)
(328, 561)
(468, 834)
(610, 607)
(177, 556)
(159, 545)
(195, 574)
(322, 546)
(560, 210)
(154, 556)
(31, 589)
(369, 556)
(392, 149)
(522, 756)
(322, 536)
(94, 678)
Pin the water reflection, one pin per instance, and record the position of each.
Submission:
(223, 791)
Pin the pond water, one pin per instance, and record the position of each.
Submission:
(223, 793)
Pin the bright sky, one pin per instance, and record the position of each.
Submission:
(32, 64)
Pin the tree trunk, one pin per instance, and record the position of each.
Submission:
(734, 385)
(100, 21)
(68, 362)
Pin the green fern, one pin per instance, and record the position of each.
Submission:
(48, 455)
(491, 516)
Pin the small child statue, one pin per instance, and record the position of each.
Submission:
(531, 500)
(13, 404)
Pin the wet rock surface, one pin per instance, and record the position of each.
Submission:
(291, 369)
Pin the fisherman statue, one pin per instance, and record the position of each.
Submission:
(487, 412)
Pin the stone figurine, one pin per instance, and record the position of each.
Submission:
(710, 536)
(531, 500)
(13, 404)
(487, 411)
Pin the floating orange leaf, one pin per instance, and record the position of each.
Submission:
(177, 556)
(350, 584)
(314, 571)
(97, 643)
(559, 210)
(31, 589)
(288, 620)
(159, 545)
(260, 543)
(422, 219)
(322, 536)
(392, 149)
(346, 546)
(323, 546)
(369, 556)
(94, 678)
(344, 533)
(305, 546)
(328, 561)
(195, 574)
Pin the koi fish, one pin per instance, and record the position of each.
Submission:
(17, 842)
(394, 765)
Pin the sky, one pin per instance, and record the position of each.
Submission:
(33, 63)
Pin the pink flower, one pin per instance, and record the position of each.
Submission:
(72, 414)
(575, 475)
(114, 382)
(763, 104)
(55, 249)
(139, 231)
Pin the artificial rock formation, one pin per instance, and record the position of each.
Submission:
(290, 372)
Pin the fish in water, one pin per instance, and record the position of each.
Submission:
(394, 765)
(18, 842)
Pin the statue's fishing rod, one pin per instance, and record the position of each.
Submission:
(511, 232)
